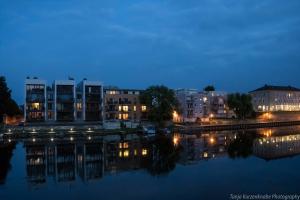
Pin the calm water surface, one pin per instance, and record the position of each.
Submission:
(209, 165)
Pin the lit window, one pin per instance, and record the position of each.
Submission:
(120, 154)
(126, 153)
(134, 108)
(125, 108)
(120, 108)
(120, 116)
(36, 106)
(125, 116)
(144, 152)
(144, 108)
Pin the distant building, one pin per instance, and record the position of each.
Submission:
(123, 105)
(276, 98)
(217, 104)
(196, 105)
(35, 100)
(192, 104)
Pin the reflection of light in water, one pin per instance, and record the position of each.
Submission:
(71, 130)
(33, 130)
(212, 140)
(89, 138)
(89, 130)
(51, 130)
(33, 139)
(52, 139)
(71, 138)
(267, 133)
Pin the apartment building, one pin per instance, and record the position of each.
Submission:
(192, 104)
(35, 100)
(196, 105)
(123, 105)
(89, 100)
(64, 101)
(276, 98)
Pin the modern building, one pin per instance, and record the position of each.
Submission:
(191, 104)
(196, 105)
(35, 100)
(123, 105)
(216, 104)
(64, 100)
(276, 98)
(89, 100)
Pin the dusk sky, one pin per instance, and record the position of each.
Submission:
(234, 45)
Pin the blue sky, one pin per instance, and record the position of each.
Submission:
(235, 45)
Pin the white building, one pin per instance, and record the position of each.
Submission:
(276, 98)
(191, 103)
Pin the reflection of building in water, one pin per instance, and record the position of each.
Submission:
(66, 161)
(204, 146)
(277, 146)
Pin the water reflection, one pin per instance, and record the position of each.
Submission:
(62, 159)
(6, 154)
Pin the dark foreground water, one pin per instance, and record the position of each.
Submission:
(201, 166)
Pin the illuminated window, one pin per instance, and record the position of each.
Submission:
(125, 116)
(120, 154)
(144, 152)
(36, 106)
(79, 106)
(126, 153)
(144, 108)
(120, 116)
(135, 152)
(120, 108)
(134, 108)
(125, 108)
(125, 145)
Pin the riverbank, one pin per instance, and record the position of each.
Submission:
(236, 126)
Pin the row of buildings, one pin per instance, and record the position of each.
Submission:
(66, 101)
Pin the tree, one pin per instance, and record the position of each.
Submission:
(242, 146)
(7, 105)
(209, 88)
(160, 102)
(241, 104)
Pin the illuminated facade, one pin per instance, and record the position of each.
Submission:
(123, 105)
(276, 98)
(196, 105)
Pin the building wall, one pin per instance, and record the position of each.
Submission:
(123, 105)
(35, 100)
(265, 101)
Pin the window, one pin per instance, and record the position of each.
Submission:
(144, 108)
(125, 108)
(134, 108)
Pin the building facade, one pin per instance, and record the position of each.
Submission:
(276, 98)
(35, 106)
(123, 105)
(64, 101)
(196, 105)
(192, 104)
